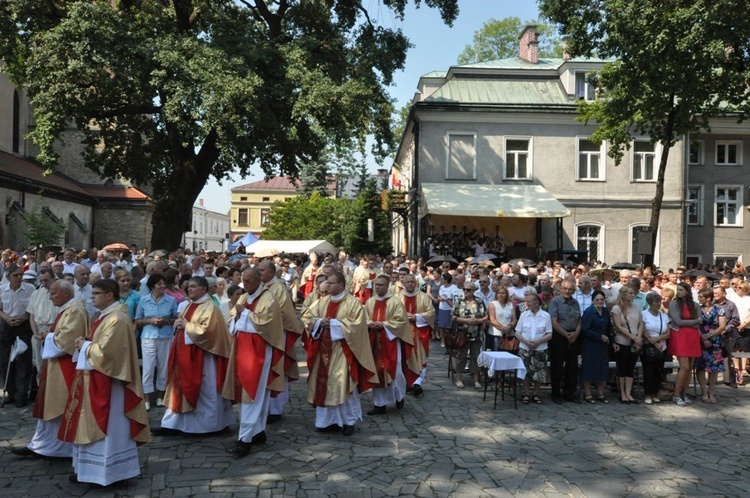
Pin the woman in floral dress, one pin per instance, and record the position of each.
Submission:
(711, 330)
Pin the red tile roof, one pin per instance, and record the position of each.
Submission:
(29, 170)
(278, 183)
(116, 192)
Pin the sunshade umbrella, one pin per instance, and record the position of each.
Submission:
(526, 262)
(117, 246)
(482, 257)
(439, 259)
(605, 273)
(624, 266)
(486, 263)
(159, 252)
(565, 262)
(268, 252)
(701, 273)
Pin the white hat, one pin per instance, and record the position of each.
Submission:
(29, 275)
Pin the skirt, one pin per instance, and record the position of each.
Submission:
(686, 343)
(445, 319)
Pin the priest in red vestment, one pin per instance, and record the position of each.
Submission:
(338, 356)
(392, 346)
(105, 416)
(256, 363)
(197, 367)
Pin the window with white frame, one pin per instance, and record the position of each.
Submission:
(696, 156)
(585, 86)
(517, 159)
(728, 153)
(461, 161)
(590, 238)
(694, 204)
(728, 206)
(726, 260)
(590, 163)
(264, 216)
(644, 161)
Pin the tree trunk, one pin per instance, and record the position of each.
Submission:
(174, 202)
(667, 140)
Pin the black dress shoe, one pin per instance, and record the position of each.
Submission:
(241, 449)
(378, 410)
(165, 432)
(348, 430)
(259, 438)
(21, 403)
(272, 419)
(573, 399)
(557, 401)
(330, 428)
(400, 404)
(417, 391)
(23, 451)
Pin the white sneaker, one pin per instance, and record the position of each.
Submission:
(159, 402)
(477, 385)
(459, 384)
(656, 400)
(148, 406)
(648, 401)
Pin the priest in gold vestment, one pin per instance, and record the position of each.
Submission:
(421, 315)
(338, 356)
(105, 416)
(58, 372)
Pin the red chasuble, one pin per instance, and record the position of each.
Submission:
(383, 351)
(186, 370)
(421, 333)
(68, 369)
(310, 284)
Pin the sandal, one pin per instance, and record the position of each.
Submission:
(601, 399)
(589, 399)
(525, 400)
(536, 399)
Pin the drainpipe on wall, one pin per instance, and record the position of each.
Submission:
(685, 183)
(416, 228)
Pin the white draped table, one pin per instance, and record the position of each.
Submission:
(501, 361)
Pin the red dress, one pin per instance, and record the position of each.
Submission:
(685, 342)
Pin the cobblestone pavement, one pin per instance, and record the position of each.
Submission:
(448, 442)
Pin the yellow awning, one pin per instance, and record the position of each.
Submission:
(496, 201)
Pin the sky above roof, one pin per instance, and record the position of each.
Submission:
(436, 48)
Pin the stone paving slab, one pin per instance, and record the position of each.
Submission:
(445, 443)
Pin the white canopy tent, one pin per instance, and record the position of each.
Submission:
(294, 246)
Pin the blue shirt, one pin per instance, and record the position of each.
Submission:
(132, 302)
(148, 308)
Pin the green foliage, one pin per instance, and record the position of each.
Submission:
(498, 39)
(176, 92)
(41, 229)
(354, 226)
(399, 121)
(313, 177)
(307, 218)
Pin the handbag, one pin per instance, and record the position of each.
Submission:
(508, 343)
(455, 338)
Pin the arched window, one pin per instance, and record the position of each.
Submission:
(590, 238)
(15, 146)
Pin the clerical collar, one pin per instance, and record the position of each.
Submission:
(255, 294)
(274, 279)
(64, 306)
(387, 295)
(410, 294)
(338, 297)
(201, 299)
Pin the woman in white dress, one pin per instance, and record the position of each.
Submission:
(502, 319)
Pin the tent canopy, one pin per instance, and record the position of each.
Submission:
(246, 240)
(495, 201)
(294, 246)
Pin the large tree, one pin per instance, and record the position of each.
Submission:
(171, 93)
(307, 218)
(498, 39)
(676, 65)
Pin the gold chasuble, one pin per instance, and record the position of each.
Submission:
(206, 328)
(58, 373)
(337, 367)
(113, 355)
(292, 325)
(391, 312)
(248, 354)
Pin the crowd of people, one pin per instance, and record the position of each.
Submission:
(97, 339)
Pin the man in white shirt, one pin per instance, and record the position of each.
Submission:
(101, 257)
(14, 322)
(69, 262)
(83, 289)
(583, 293)
(42, 314)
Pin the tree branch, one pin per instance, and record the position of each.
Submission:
(126, 111)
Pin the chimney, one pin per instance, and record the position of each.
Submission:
(566, 52)
(528, 45)
(200, 202)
